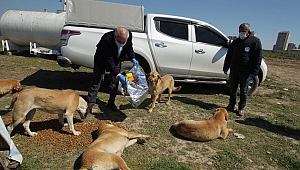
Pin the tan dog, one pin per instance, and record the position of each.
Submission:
(105, 152)
(158, 84)
(61, 102)
(8, 87)
(215, 127)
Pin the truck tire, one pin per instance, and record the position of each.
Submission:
(252, 86)
(126, 66)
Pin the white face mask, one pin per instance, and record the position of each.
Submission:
(242, 35)
(119, 45)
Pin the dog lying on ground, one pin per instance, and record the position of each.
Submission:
(215, 127)
(8, 87)
(105, 152)
(61, 102)
(158, 84)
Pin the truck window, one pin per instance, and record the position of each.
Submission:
(177, 30)
(207, 36)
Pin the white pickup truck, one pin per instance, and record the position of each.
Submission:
(190, 50)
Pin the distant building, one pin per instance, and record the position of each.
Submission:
(291, 46)
(282, 40)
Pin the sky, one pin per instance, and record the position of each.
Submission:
(266, 17)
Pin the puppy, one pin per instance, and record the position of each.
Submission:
(105, 152)
(215, 127)
(158, 84)
(8, 87)
(61, 102)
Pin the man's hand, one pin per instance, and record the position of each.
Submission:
(225, 71)
(123, 80)
(252, 75)
(135, 62)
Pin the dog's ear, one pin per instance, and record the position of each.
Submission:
(216, 111)
(159, 76)
(226, 116)
(108, 122)
(225, 113)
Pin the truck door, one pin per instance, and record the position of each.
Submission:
(171, 49)
(209, 52)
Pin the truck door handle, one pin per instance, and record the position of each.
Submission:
(161, 45)
(200, 51)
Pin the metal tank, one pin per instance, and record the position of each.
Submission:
(23, 27)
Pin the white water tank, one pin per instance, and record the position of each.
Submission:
(23, 27)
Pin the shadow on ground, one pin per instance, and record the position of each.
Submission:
(192, 88)
(47, 124)
(203, 105)
(61, 80)
(81, 80)
(281, 130)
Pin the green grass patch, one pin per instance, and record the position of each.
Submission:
(282, 54)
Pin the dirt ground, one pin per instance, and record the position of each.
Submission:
(284, 71)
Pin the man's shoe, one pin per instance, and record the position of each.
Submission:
(89, 110)
(112, 106)
(230, 108)
(241, 113)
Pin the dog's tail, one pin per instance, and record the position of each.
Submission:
(176, 88)
(13, 100)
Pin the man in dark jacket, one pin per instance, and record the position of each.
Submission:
(243, 57)
(113, 48)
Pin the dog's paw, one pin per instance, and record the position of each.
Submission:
(8, 108)
(9, 129)
(144, 139)
(76, 133)
(32, 134)
(150, 110)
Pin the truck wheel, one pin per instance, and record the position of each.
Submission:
(252, 86)
(126, 66)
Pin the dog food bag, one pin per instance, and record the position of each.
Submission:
(137, 90)
(130, 77)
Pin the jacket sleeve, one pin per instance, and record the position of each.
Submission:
(228, 57)
(257, 58)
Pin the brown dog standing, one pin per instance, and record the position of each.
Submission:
(215, 127)
(61, 102)
(158, 84)
(8, 87)
(105, 152)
